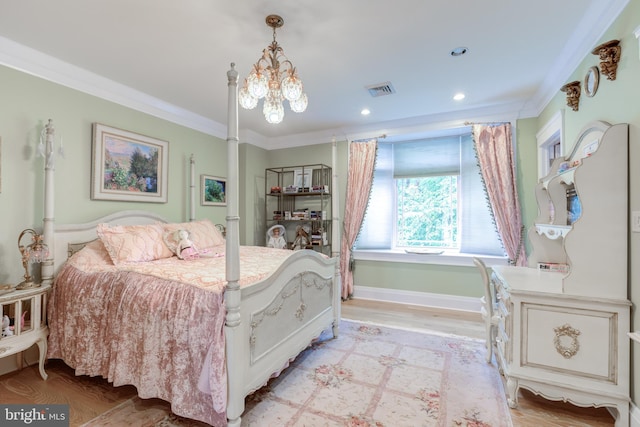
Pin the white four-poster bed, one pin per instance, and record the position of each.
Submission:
(266, 323)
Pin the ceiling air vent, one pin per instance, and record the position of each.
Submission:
(381, 89)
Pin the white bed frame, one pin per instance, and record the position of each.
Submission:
(267, 324)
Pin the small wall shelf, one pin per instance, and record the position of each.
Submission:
(553, 231)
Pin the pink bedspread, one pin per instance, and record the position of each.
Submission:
(151, 324)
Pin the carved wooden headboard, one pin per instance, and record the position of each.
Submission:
(70, 238)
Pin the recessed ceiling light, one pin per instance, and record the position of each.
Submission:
(459, 51)
(365, 112)
(458, 96)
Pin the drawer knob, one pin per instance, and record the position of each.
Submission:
(566, 341)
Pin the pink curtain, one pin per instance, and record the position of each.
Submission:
(497, 164)
(362, 159)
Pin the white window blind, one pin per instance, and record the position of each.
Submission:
(450, 155)
(431, 157)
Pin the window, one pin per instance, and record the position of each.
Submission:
(549, 143)
(427, 211)
(429, 194)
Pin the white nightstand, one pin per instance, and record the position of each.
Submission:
(28, 308)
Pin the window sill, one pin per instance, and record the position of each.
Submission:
(445, 258)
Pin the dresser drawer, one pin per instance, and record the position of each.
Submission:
(503, 342)
(569, 340)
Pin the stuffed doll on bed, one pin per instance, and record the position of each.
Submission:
(180, 243)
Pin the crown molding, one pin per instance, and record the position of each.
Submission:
(596, 21)
(591, 29)
(47, 67)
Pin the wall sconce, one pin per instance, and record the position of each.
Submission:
(35, 252)
(609, 54)
(573, 94)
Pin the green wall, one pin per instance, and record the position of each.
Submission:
(27, 103)
(432, 278)
(253, 162)
(615, 102)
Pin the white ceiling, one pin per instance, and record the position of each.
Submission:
(170, 57)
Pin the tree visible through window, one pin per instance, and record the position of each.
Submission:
(427, 212)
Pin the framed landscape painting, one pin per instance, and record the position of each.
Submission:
(128, 167)
(213, 191)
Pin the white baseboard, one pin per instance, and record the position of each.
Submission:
(451, 302)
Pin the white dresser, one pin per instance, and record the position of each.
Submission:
(564, 331)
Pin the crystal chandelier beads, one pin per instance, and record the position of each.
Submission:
(272, 109)
(291, 87)
(300, 104)
(274, 79)
(258, 84)
(247, 101)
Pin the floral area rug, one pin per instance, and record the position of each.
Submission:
(380, 377)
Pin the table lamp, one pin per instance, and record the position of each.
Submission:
(35, 252)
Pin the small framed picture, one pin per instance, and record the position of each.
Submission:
(302, 179)
(213, 191)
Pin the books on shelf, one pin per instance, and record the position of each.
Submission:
(319, 189)
(318, 214)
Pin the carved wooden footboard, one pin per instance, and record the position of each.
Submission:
(280, 317)
(304, 298)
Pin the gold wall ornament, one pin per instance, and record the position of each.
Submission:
(566, 341)
(609, 54)
(573, 94)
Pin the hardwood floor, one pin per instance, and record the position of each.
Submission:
(89, 397)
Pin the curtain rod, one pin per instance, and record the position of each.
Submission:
(486, 123)
(383, 136)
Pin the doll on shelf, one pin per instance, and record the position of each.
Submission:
(275, 237)
(302, 238)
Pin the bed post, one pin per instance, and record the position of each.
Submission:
(46, 269)
(335, 236)
(233, 333)
(192, 189)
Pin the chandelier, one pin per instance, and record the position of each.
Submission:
(275, 79)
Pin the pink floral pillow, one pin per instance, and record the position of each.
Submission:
(204, 234)
(133, 243)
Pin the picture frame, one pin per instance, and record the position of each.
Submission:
(302, 179)
(213, 191)
(128, 166)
